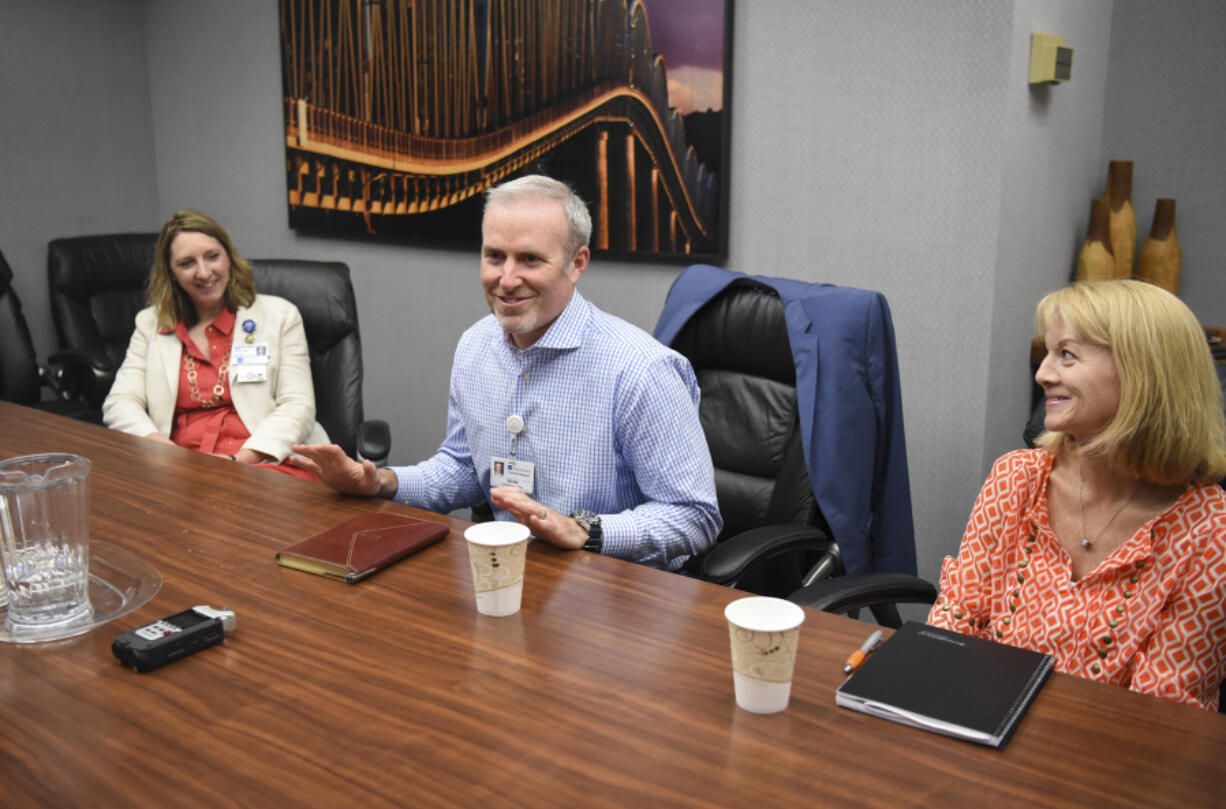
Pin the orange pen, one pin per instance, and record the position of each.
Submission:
(866, 648)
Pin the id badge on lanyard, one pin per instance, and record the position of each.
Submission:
(511, 471)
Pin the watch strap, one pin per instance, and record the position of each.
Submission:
(590, 521)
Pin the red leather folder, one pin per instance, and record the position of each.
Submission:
(361, 546)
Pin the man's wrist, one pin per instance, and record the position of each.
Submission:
(576, 535)
(388, 484)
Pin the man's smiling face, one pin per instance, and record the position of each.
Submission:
(526, 273)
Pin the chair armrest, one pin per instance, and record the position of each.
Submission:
(374, 441)
(53, 379)
(90, 358)
(83, 374)
(482, 512)
(873, 590)
(729, 560)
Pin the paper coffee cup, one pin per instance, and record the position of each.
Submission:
(496, 551)
(764, 633)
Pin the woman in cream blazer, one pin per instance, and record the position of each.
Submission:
(197, 279)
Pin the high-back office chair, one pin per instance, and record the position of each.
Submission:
(22, 378)
(763, 390)
(324, 296)
(738, 347)
(98, 285)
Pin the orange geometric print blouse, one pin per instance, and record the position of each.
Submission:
(1150, 617)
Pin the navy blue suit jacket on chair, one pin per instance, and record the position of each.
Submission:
(847, 388)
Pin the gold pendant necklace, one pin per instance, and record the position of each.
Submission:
(1086, 542)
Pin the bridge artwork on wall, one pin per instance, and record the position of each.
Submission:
(399, 114)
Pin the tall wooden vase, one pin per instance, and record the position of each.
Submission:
(1161, 257)
(1123, 217)
(1096, 260)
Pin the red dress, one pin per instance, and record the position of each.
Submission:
(205, 418)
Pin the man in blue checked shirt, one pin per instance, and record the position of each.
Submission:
(570, 420)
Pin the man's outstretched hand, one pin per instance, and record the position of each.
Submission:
(331, 465)
(554, 528)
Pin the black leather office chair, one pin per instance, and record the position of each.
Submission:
(775, 537)
(98, 285)
(774, 532)
(324, 296)
(22, 378)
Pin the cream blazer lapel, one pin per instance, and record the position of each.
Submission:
(162, 378)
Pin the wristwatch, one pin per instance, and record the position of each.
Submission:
(590, 521)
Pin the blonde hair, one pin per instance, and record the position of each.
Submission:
(169, 301)
(1168, 427)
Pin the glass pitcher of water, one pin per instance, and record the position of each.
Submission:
(44, 541)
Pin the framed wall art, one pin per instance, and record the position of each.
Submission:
(399, 114)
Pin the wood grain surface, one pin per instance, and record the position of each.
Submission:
(610, 688)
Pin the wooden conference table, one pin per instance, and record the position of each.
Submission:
(610, 688)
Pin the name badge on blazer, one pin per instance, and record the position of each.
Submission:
(250, 354)
(250, 373)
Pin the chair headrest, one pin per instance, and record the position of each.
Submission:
(84, 266)
(743, 329)
(321, 290)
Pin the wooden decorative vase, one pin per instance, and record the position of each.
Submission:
(1096, 260)
(1161, 256)
(1123, 217)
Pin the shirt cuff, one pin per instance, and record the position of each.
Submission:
(409, 487)
(619, 536)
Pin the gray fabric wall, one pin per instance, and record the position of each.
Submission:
(76, 141)
(1166, 111)
(891, 145)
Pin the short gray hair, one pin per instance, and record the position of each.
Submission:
(537, 186)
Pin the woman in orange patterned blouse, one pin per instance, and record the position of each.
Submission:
(1106, 547)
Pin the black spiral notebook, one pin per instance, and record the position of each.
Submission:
(948, 683)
